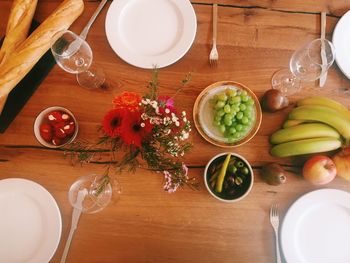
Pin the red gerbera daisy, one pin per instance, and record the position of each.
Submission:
(135, 130)
(127, 100)
(112, 122)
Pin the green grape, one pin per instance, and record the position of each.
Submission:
(222, 128)
(244, 92)
(236, 99)
(239, 127)
(237, 135)
(227, 108)
(220, 113)
(228, 116)
(244, 120)
(239, 115)
(232, 130)
(230, 92)
(245, 98)
(222, 97)
(219, 104)
(242, 107)
(228, 122)
(250, 101)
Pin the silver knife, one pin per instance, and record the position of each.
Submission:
(323, 78)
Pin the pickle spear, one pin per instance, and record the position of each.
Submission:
(221, 177)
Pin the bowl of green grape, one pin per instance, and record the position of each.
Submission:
(227, 114)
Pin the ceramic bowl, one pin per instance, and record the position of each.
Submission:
(243, 182)
(42, 118)
(203, 115)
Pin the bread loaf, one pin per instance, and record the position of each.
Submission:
(20, 19)
(23, 59)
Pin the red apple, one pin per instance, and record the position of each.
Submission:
(319, 170)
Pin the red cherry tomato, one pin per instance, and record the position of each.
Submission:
(69, 128)
(59, 133)
(46, 132)
(56, 141)
(54, 116)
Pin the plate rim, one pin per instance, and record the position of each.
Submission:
(49, 200)
(335, 32)
(294, 205)
(249, 136)
(146, 64)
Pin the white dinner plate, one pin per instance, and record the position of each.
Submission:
(316, 228)
(149, 33)
(341, 42)
(30, 222)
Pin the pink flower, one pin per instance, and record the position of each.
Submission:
(167, 103)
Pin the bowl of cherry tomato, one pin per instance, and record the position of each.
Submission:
(228, 177)
(55, 127)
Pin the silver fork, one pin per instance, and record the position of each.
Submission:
(274, 219)
(214, 56)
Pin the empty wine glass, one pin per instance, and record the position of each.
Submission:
(74, 55)
(99, 192)
(307, 63)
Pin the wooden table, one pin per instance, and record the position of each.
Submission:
(146, 224)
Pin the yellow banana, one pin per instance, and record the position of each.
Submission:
(307, 146)
(291, 123)
(303, 131)
(325, 115)
(326, 102)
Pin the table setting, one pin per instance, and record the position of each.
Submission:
(174, 131)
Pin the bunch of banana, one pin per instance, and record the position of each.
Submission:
(317, 124)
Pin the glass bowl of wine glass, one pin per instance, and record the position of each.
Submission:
(99, 192)
(308, 63)
(74, 55)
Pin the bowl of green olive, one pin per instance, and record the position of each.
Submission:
(228, 177)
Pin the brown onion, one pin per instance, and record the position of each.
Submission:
(273, 100)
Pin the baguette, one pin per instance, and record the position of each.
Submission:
(20, 19)
(21, 15)
(23, 59)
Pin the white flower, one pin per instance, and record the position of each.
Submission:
(142, 124)
(167, 110)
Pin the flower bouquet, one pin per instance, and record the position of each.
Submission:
(142, 130)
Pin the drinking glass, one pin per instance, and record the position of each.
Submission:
(308, 63)
(74, 55)
(99, 192)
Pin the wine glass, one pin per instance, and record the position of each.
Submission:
(308, 63)
(74, 55)
(99, 192)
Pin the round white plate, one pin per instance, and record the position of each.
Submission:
(150, 34)
(341, 42)
(30, 222)
(316, 228)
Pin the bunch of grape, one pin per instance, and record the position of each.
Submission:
(234, 113)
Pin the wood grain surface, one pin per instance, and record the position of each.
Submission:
(145, 224)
